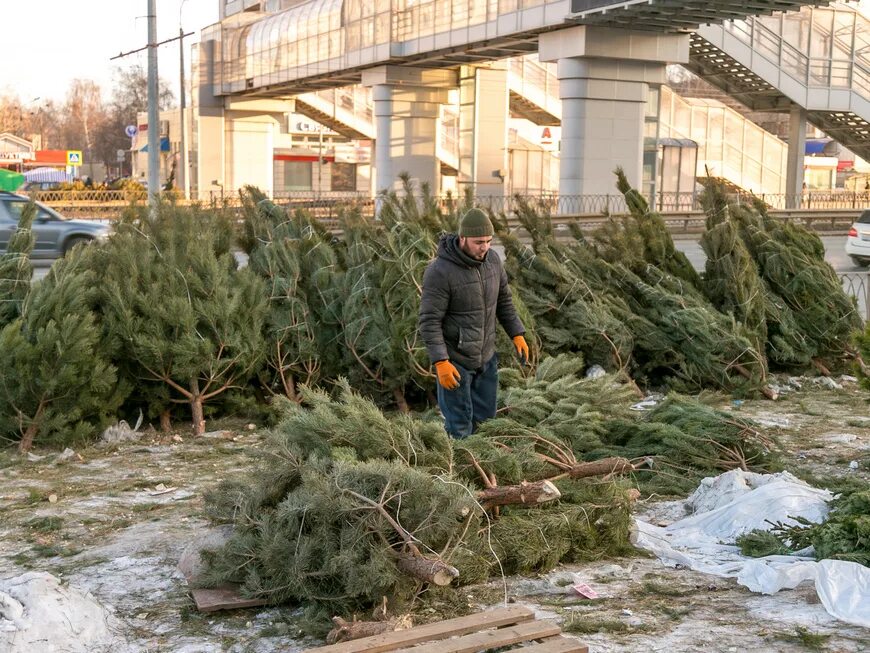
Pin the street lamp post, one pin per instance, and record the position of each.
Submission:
(153, 113)
(185, 181)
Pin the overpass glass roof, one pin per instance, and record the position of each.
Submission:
(327, 42)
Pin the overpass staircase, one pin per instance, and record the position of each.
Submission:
(534, 91)
(752, 61)
(347, 110)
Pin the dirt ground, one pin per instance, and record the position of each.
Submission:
(113, 521)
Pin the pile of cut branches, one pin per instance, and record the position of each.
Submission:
(352, 507)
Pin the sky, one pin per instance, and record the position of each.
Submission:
(48, 43)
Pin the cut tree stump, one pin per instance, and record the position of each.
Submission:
(427, 569)
(524, 494)
(349, 630)
(514, 627)
(603, 467)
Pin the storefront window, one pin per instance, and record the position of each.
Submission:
(343, 176)
(292, 176)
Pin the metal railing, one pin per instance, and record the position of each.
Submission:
(356, 100)
(681, 211)
(597, 203)
(857, 285)
(810, 71)
(533, 77)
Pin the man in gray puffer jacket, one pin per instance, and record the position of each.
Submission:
(465, 291)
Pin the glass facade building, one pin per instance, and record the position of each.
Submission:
(285, 48)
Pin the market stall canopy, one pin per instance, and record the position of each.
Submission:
(47, 175)
(10, 180)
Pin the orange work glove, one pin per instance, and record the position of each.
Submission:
(448, 375)
(522, 348)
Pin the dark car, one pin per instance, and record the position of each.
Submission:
(55, 235)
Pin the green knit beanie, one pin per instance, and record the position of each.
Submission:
(475, 224)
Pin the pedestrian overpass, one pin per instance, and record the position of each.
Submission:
(413, 53)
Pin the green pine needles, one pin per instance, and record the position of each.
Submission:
(58, 383)
(16, 270)
(180, 314)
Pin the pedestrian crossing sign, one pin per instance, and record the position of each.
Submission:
(73, 157)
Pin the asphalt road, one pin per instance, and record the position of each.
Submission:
(835, 253)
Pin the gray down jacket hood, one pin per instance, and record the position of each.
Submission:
(463, 300)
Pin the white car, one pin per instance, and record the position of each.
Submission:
(858, 241)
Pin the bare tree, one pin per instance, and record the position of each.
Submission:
(129, 97)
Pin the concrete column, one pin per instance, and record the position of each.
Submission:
(211, 152)
(382, 97)
(250, 128)
(797, 143)
(483, 128)
(604, 77)
(406, 108)
(250, 152)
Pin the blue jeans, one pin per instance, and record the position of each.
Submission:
(472, 402)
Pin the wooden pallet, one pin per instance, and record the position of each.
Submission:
(493, 629)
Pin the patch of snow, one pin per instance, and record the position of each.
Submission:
(839, 438)
(771, 420)
(37, 613)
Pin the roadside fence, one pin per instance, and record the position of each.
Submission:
(857, 285)
(680, 211)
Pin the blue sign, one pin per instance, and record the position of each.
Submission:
(131, 130)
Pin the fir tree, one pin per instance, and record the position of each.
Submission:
(642, 239)
(692, 345)
(731, 280)
(346, 494)
(569, 315)
(181, 313)
(261, 218)
(298, 346)
(365, 318)
(788, 260)
(58, 384)
(683, 440)
(421, 209)
(862, 342)
(407, 249)
(16, 270)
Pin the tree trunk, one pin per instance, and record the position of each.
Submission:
(291, 390)
(289, 383)
(600, 468)
(525, 494)
(401, 402)
(821, 367)
(165, 421)
(196, 408)
(765, 390)
(427, 569)
(856, 355)
(32, 429)
(196, 412)
(348, 630)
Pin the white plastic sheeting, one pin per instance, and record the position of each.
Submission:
(738, 502)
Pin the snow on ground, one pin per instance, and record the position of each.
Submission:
(113, 524)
